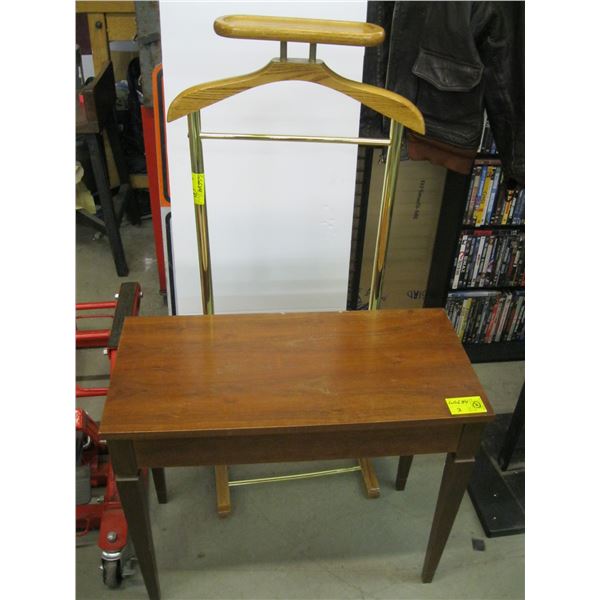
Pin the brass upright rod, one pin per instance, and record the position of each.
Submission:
(385, 213)
(197, 159)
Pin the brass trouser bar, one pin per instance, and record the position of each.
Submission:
(294, 138)
(383, 229)
(296, 476)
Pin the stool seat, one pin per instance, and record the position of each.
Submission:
(272, 373)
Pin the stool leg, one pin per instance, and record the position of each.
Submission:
(404, 463)
(112, 130)
(108, 208)
(160, 485)
(133, 495)
(457, 473)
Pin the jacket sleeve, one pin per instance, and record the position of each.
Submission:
(499, 32)
(375, 67)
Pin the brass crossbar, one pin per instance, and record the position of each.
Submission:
(296, 476)
(294, 138)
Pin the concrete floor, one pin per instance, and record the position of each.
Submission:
(318, 538)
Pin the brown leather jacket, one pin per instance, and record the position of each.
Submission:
(453, 59)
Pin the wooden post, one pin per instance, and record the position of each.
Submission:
(98, 40)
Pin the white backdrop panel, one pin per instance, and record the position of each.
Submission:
(280, 214)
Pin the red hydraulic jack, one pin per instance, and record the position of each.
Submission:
(93, 466)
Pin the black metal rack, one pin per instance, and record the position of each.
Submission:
(497, 487)
(450, 227)
(491, 288)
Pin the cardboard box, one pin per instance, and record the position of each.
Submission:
(415, 217)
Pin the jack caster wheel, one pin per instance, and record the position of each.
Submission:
(112, 575)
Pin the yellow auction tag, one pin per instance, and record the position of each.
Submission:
(198, 187)
(466, 405)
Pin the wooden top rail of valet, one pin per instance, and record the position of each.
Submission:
(234, 389)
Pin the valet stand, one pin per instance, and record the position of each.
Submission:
(400, 110)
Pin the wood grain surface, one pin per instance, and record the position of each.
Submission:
(106, 6)
(290, 29)
(387, 103)
(280, 373)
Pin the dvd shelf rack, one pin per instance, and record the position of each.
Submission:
(478, 266)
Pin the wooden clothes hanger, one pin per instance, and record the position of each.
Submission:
(401, 111)
(313, 31)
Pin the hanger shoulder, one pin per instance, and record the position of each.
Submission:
(290, 29)
(203, 95)
(387, 103)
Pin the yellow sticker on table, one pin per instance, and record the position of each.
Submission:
(466, 405)
(198, 187)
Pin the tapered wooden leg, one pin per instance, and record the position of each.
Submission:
(160, 485)
(133, 494)
(457, 473)
(223, 495)
(369, 477)
(404, 463)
